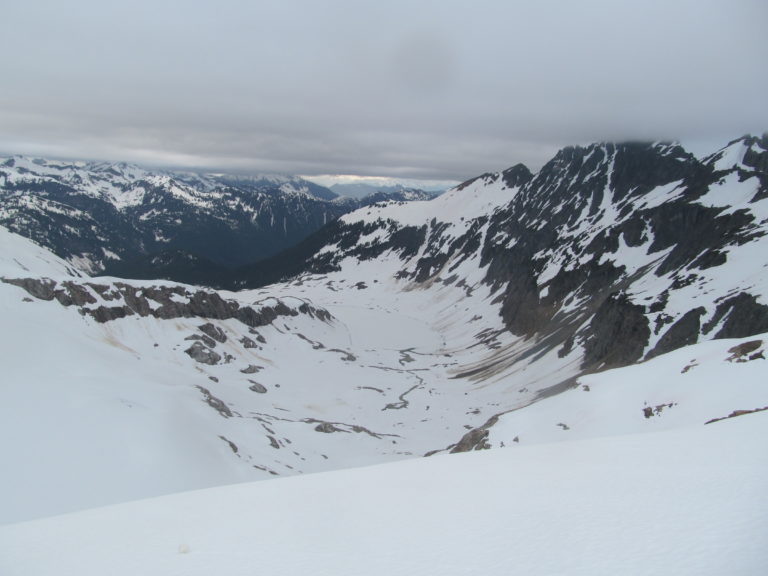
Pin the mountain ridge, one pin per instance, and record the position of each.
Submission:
(120, 219)
(619, 270)
(98, 213)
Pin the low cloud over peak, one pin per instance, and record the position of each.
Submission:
(440, 90)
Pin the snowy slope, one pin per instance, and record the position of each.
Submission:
(20, 256)
(683, 502)
(140, 417)
(486, 317)
(386, 373)
(80, 404)
(687, 388)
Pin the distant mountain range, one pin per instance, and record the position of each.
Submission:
(124, 220)
(362, 191)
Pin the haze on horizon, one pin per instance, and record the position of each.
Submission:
(441, 90)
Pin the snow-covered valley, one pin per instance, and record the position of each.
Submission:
(611, 359)
(135, 415)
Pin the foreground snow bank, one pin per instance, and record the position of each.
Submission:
(690, 501)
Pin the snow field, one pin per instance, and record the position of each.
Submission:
(684, 388)
(680, 502)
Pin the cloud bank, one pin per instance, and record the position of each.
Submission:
(429, 89)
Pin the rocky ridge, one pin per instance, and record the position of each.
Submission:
(621, 250)
(118, 300)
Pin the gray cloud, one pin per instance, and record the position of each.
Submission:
(432, 89)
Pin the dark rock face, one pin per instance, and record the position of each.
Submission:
(619, 332)
(690, 230)
(213, 332)
(744, 316)
(67, 293)
(746, 351)
(42, 289)
(639, 168)
(516, 176)
(164, 302)
(108, 313)
(684, 332)
(74, 294)
(473, 440)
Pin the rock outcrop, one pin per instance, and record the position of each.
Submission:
(105, 303)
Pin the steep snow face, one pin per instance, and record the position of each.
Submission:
(21, 257)
(683, 502)
(397, 195)
(457, 207)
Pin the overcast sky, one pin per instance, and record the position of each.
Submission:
(438, 89)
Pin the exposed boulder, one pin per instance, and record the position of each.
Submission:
(256, 387)
(327, 428)
(476, 439)
(199, 352)
(214, 332)
(215, 403)
(250, 369)
(207, 340)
